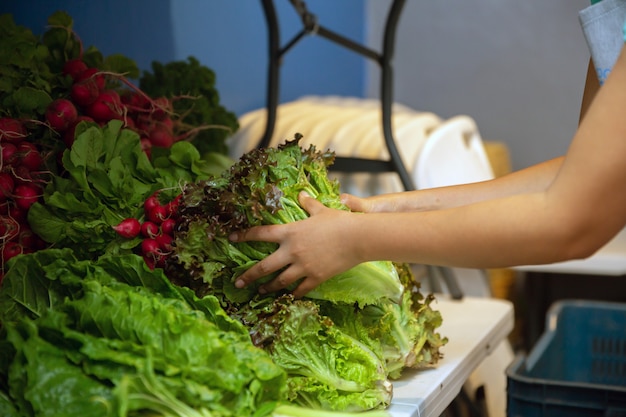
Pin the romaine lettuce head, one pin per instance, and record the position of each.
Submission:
(403, 333)
(90, 337)
(327, 369)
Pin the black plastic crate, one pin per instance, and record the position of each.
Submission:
(576, 368)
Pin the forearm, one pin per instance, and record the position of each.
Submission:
(514, 230)
(533, 179)
(565, 209)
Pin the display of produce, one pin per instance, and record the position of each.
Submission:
(52, 87)
(117, 296)
(384, 327)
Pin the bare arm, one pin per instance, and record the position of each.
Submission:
(532, 179)
(578, 212)
(569, 212)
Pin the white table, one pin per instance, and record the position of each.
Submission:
(474, 327)
(609, 260)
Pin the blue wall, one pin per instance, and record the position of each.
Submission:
(228, 36)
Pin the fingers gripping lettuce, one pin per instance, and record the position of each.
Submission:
(261, 189)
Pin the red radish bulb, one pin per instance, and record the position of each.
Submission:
(146, 146)
(165, 242)
(172, 207)
(150, 248)
(93, 74)
(23, 175)
(85, 92)
(10, 250)
(162, 136)
(107, 106)
(28, 239)
(149, 229)
(70, 134)
(12, 130)
(9, 228)
(151, 202)
(74, 67)
(145, 124)
(17, 213)
(163, 108)
(29, 156)
(6, 186)
(60, 114)
(26, 195)
(8, 152)
(157, 214)
(128, 228)
(151, 261)
(129, 122)
(167, 227)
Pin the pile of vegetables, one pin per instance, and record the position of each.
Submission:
(375, 332)
(21, 184)
(124, 302)
(52, 86)
(112, 338)
(108, 180)
(92, 307)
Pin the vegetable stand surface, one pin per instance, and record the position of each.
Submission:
(474, 327)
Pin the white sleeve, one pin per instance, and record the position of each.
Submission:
(603, 24)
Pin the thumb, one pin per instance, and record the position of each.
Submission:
(353, 203)
(311, 205)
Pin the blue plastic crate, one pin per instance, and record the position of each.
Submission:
(576, 368)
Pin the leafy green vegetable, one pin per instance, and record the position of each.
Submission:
(26, 80)
(196, 99)
(262, 188)
(328, 369)
(403, 333)
(338, 346)
(7, 409)
(89, 341)
(288, 410)
(107, 178)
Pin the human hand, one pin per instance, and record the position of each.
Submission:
(375, 204)
(313, 249)
(355, 203)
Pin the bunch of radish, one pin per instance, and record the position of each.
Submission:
(156, 229)
(151, 118)
(21, 185)
(100, 96)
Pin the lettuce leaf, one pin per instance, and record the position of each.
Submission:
(404, 334)
(327, 368)
(122, 333)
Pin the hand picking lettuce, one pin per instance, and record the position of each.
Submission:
(375, 321)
